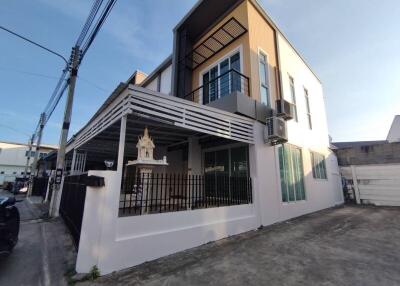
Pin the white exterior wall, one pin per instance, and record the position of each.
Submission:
(113, 243)
(320, 194)
(165, 81)
(165, 86)
(153, 84)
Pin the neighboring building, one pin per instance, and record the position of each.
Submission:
(13, 159)
(372, 168)
(367, 152)
(394, 132)
(216, 108)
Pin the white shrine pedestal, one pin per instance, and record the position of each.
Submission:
(145, 169)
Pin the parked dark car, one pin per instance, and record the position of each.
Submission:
(9, 225)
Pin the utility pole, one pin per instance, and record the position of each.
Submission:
(39, 141)
(37, 151)
(56, 197)
(29, 155)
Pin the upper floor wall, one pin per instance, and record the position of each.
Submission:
(243, 54)
(301, 87)
(161, 79)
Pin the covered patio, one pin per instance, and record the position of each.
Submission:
(200, 191)
(206, 151)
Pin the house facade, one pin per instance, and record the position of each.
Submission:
(241, 119)
(14, 157)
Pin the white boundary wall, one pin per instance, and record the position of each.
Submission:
(113, 243)
(375, 184)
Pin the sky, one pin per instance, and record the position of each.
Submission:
(352, 45)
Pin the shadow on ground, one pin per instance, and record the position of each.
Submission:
(340, 246)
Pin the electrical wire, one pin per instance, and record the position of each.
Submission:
(14, 129)
(85, 42)
(7, 69)
(108, 8)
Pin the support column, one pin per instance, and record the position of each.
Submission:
(73, 163)
(194, 157)
(121, 147)
(355, 184)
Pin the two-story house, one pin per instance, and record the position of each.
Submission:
(240, 118)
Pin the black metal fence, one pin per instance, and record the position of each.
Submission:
(160, 193)
(72, 204)
(39, 186)
(223, 85)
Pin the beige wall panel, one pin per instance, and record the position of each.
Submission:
(261, 36)
(240, 14)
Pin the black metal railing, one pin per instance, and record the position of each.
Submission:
(73, 203)
(221, 86)
(160, 193)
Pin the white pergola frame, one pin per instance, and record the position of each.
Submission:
(170, 110)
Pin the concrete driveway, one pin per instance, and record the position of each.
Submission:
(44, 252)
(341, 246)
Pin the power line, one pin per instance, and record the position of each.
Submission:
(58, 92)
(95, 8)
(14, 129)
(24, 72)
(27, 73)
(93, 84)
(109, 6)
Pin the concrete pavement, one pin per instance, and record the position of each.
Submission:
(341, 246)
(44, 252)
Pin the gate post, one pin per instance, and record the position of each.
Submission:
(355, 184)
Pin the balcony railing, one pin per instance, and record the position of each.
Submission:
(161, 193)
(223, 85)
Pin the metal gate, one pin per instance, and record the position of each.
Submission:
(73, 203)
(39, 186)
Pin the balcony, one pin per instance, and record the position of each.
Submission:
(227, 83)
(230, 92)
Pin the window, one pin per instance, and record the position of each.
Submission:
(318, 166)
(219, 82)
(307, 99)
(293, 97)
(31, 155)
(264, 82)
(291, 173)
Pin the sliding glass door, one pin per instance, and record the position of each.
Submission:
(226, 173)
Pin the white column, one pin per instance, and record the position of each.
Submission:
(121, 147)
(355, 184)
(73, 163)
(194, 156)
